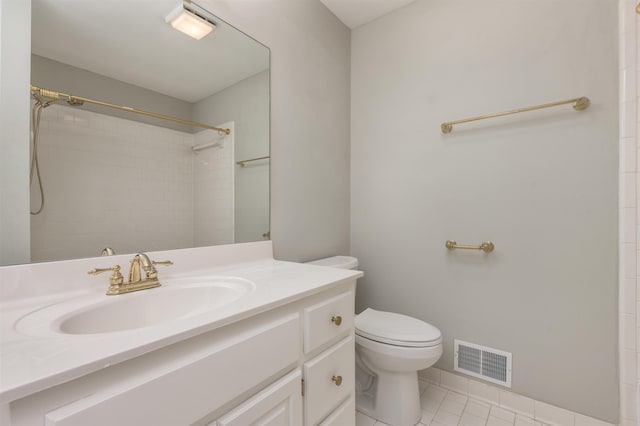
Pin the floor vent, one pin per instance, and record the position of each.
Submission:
(482, 362)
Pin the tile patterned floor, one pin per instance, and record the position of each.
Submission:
(442, 407)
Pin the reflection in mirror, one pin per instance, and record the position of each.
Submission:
(106, 177)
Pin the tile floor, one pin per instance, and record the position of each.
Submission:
(442, 407)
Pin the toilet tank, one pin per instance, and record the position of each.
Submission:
(342, 262)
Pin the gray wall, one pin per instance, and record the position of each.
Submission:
(246, 104)
(309, 121)
(542, 185)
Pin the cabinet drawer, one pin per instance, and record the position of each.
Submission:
(201, 380)
(327, 320)
(329, 379)
(278, 405)
(343, 415)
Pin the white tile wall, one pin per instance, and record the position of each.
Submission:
(214, 188)
(629, 302)
(107, 179)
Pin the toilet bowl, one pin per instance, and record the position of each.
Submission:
(390, 349)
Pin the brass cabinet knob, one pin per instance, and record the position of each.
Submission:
(337, 320)
(337, 380)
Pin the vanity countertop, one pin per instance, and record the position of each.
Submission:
(33, 361)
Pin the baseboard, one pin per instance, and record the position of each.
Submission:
(536, 410)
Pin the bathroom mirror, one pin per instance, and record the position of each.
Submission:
(134, 183)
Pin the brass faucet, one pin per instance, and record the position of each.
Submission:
(107, 251)
(142, 275)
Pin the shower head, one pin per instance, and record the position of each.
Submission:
(42, 103)
(39, 94)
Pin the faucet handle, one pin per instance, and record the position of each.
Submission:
(152, 272)
(115, 279)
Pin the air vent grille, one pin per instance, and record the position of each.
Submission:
(483, 362)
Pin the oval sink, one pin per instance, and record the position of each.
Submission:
(137, 310)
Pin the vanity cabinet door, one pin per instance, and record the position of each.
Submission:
(328, 320)
(343, 415)
(329, 380)
(278, 405)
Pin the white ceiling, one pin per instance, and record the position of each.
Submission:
(128, 40)
(354, 13)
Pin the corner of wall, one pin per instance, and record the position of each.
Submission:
(629, 255)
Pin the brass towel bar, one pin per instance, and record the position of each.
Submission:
(243, 162)
(486, 246)
(39, 92)
(578, 104)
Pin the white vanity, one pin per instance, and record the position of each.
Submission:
(232, 337)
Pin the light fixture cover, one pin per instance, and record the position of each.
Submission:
(189, 23)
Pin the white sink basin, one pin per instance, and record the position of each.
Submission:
(145, 308)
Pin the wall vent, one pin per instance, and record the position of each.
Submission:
(485, 363)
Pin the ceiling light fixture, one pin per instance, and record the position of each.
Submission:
(189, 22)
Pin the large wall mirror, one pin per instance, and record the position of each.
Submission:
(132, 182)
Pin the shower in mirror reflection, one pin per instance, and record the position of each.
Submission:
(40, 104)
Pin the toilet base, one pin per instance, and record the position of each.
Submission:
(395, 400)
(398, 390)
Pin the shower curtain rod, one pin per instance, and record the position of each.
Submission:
(39, 92)
(578, 104)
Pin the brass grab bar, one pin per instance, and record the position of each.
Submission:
(579, 104)
(39, 92)
(243, 162)
(486, 246)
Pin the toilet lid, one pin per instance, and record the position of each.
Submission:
(396, 329)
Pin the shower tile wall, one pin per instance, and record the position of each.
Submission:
(116, 183)
(214, 189)
(629, 213)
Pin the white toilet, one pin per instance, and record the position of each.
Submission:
(390, 349)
